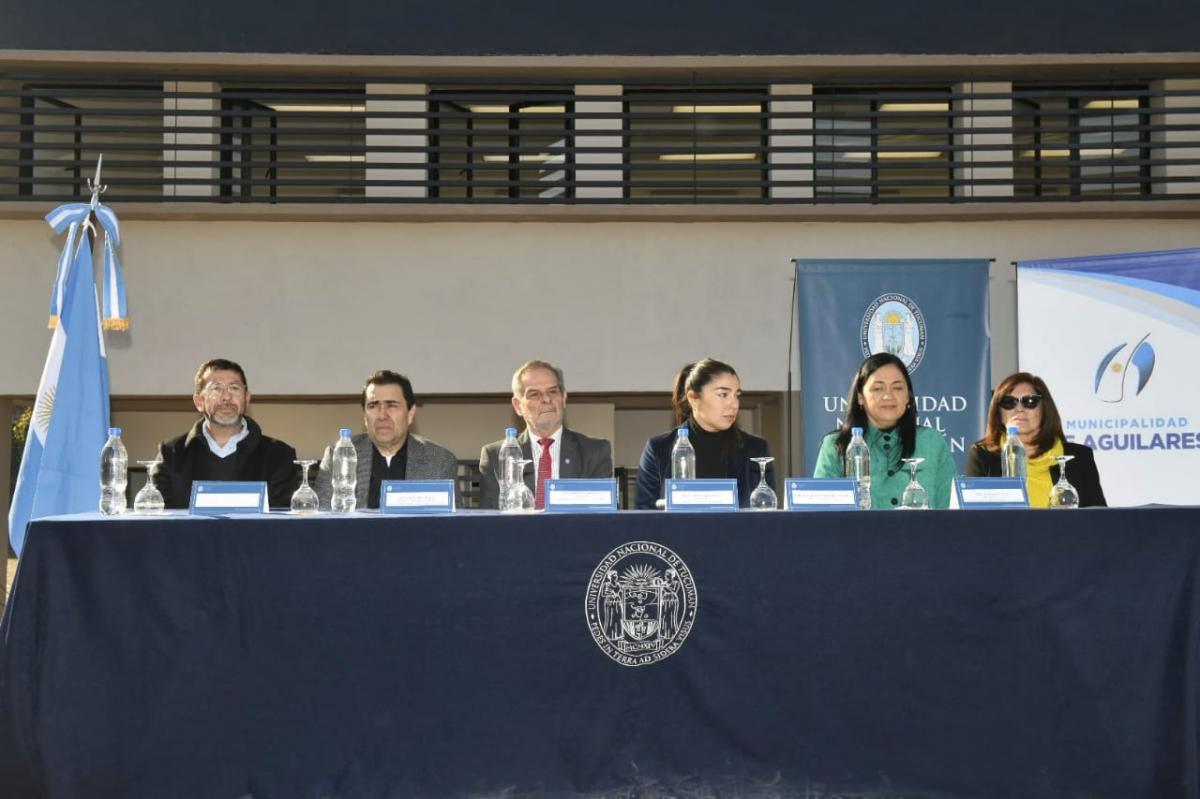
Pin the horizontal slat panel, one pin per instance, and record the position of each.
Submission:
(498, 141)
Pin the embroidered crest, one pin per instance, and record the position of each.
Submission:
(641, 603)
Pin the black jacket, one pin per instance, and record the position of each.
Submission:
(258, 457)
(1081, 471)
(655, 468)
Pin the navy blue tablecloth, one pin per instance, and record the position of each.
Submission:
(939, 654)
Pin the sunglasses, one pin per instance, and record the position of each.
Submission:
(1030, 401)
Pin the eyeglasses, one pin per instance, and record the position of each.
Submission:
(1029, 401)
(216, 389)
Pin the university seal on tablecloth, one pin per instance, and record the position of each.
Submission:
(641, 603)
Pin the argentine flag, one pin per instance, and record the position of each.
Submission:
(60, 470)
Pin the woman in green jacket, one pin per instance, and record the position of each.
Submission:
(880, 401)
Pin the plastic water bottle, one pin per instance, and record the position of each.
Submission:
(858, 466)
(510, 451)
(683, 456)
(114, 474)
(1012, 457)
(345, 473)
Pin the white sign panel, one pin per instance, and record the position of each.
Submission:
(1115, 339)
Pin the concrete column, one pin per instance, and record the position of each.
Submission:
(187, 163)
(791, 132)
(1166, 176)
(984, 125)
(410, 165)
(592, 134)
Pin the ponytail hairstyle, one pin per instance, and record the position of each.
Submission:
(679, 403)
(692, 378)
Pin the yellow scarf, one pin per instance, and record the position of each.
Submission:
(1037, 474)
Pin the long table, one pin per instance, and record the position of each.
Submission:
(922, 654)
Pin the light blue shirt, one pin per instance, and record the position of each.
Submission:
(230, 445)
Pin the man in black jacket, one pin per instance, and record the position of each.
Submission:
(225, 444)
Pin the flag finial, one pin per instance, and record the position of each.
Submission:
(94, 185)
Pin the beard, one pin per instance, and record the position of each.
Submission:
(546, 423)
(224, 419)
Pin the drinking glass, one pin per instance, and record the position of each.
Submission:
(915, 497)
(1062, 493)
(305, 499)
(518, 499)
(149, 499)
(762, 497)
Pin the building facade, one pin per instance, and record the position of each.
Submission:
(450, 189)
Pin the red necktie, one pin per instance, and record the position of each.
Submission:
(544, 473)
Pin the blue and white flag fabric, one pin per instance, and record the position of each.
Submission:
(1115, 338)
(60, 468)
(72, 217)
(931, 313)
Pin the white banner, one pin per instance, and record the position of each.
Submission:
(1117, 340)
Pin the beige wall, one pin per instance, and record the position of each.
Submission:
(309, 427)
(310, 308)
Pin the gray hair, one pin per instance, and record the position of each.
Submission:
(535, 364)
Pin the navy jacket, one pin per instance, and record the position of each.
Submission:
(655, 468)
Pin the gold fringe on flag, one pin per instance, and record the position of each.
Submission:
(119, 324)
(53, 321)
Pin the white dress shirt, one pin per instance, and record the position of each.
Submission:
(535, 451)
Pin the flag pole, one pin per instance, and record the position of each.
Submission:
(96, 188)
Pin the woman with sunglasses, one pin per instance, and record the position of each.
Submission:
(1024, 401)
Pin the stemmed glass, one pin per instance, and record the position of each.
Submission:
(518, 498)
(149, 499)
(763, 497)
(1062, 493)
(305, 499)
(915, 497)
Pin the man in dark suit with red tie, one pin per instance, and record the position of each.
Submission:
(540, 398)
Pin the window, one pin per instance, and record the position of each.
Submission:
(501, 144)
(1080, 142)
(852, 138)
(68, 127)
(880, 144)
(282, 142)
(696, 144)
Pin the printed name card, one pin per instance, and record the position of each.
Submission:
(990, 492)
(702, 495)
(416, 496)
(219, 497)
(581, 496)
(820, 494)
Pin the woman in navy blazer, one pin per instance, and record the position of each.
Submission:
(706, 399)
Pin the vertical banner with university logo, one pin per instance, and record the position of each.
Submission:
(931, 313)
(1115, 337)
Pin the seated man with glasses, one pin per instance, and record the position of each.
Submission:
(224, 444)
